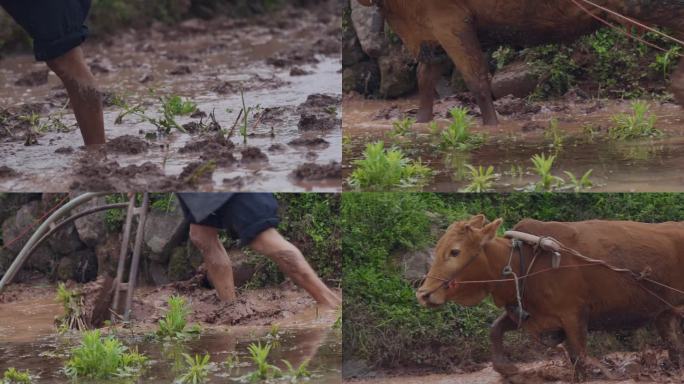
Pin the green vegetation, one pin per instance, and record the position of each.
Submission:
(387, 169)
(174, 324)
(555, 135)
(72, 303)
(457, 135)
(295, 374)
(264, 370)
(170, 107)
(103, 358)
(638, 124)
(542, 166)
(13, 376)
(383, 323)
(197, 369)
(578, 185)
(481, 179)
(402, 127)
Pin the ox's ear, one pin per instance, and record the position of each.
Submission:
(477, 221)
(489, 231)
(366, 3)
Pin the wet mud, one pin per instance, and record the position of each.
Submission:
(625, 367)
(29, 339)
(286, 66)
(640, 165)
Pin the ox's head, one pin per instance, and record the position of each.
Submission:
(459, 257)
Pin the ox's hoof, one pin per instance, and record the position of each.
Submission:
(424, 116)
(505, 368)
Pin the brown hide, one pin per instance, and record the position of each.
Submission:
(567, 301)
(462, 26)
(610, 300)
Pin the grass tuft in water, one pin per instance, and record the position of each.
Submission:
(197, 369)
(295, 374)
(402, 127)
(481, 179)
(542, 166)
(103, 358)
(71, 303)
(457, 135)
(639, 124)
(578, 185)
(264, 370)
(13, 376)
(387, 169)
(174, 324)
(554, 134)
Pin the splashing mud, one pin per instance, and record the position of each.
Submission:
(287, 65)
(642, 165)
(28, 339)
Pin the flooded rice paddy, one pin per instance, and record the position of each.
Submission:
(29, 341)
(642, 165)
(293, 87)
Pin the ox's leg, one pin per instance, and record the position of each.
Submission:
(678, 83)
(576, 344)
(428, 74)
(460, 41)
(500, 326)
(669, 327)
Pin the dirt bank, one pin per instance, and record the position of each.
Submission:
(286, 64)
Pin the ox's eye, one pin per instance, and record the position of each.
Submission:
(455, 252)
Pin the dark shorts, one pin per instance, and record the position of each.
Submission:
(56, 26)
(245, 216)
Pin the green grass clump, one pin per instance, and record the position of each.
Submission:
(387, 169)
(578, 185)
(295, 374)
(542, 166)
(402, 127)
(481, 179)
(176, 106)
(639, 124)
(71, 303)
(264, 370)
(13, 376)
(103, 358)
(197, 369)
(457, 135)
(174, 325)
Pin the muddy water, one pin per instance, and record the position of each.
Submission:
(274, 63)
(646, 165)
(28, 341)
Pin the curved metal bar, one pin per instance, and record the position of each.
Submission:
(42, 229)
(71, 219)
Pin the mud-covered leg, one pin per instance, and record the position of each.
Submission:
(428, 74)
(669, 327)
(678, 83)
(500, 326)
(85, 97)
(576, 345)
(460, 41)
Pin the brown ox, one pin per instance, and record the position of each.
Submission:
(459, 26)
(569, 301)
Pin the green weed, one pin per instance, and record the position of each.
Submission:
(481, 179)
(71, 303)
(639, 124)
(301, 372)
(457, 135)
(382, 169)
(503, 55)
(542, 166)
(174, 324)
(103, 358)
(666, 61)
(580, 184)
(402, 127)
(555, 135)
(197, 369)
(264, 370)
(13, 376)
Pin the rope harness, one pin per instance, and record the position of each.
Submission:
(555, 248)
